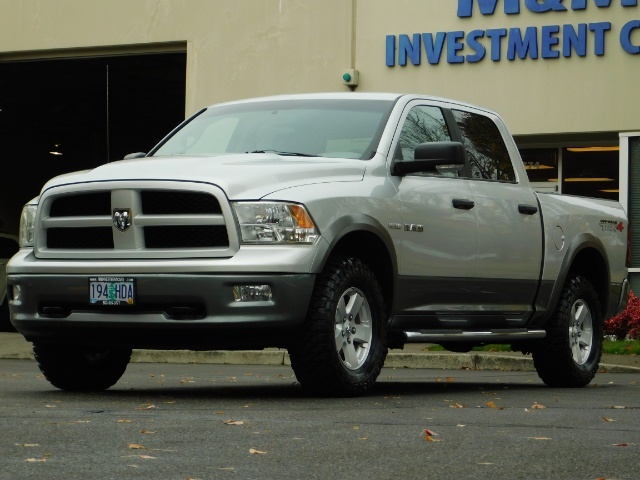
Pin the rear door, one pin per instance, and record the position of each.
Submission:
(509, 221)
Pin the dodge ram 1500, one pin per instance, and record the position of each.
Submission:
(336, 226)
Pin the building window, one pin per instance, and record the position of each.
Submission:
(591, 172)
(541, 164)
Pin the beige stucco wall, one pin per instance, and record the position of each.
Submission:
(235, 49)
(244, 48)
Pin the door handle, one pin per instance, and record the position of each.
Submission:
(527, 209)
(463, 204)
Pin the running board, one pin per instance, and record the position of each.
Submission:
(490, 336)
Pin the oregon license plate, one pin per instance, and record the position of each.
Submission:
(112, 290)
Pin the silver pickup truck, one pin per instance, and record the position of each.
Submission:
(336, 226)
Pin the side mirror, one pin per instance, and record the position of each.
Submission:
(432, 157)
(135, 155)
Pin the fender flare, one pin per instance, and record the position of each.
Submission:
(580, 243)
(355, 223)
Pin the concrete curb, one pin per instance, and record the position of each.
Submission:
(458, 361)
(435, 360)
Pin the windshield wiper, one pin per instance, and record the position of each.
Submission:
(277, 152)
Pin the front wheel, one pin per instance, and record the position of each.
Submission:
(342, 345)
(570, 354)
(81, 369)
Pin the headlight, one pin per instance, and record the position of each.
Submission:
(275, 222)
(27, 225)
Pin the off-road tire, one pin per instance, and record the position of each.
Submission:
(342, 345)
(570, 354)
(81, 369)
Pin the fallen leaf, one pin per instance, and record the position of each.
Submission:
(147, 457)
(233, 422)
(146, 432)
(451, 379)
(457, 405)
(537, 405)
(135, 446)
(362, 438)
(36, 460)
(146, 407)
(218, 413)
(491, 405)
(124, 421)
(257, 452)
(27, 444)
(605, 419)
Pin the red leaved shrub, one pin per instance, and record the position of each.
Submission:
(626, 322)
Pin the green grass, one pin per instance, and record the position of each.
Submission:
(618, 347)
(622, 347)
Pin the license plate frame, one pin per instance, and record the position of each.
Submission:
(112, 290)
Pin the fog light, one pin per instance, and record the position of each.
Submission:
(15, 292)
(252, 293)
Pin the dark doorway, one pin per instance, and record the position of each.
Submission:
(62, 115)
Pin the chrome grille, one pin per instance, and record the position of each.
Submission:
(172, 221)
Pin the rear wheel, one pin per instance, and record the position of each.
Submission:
(342, 345)
(81, 369)
(570, 354)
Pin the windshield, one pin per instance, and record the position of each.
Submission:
(310, 127)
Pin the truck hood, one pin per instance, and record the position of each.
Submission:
(241, 176)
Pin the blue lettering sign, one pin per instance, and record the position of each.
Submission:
(487, 7)
(512, 7)
(574, 41)
(476, 46)
(391, 50)
(433, 48)
(546, 6)
(599, 28)
(496, 34)
(582, 4)
(548, 40)
(625, 37)
(454, 46)
(522, 46)
(407, 48)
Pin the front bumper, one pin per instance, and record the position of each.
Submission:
(172, 311)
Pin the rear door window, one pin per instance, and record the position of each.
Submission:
(488, 155)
